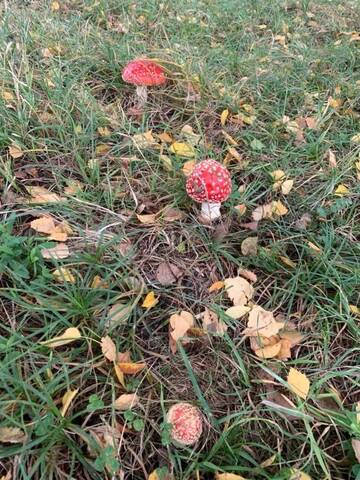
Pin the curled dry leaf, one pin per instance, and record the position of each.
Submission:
(59, 252)
(108, 348)
(262, 322)
(216, 286)
(168, 273)
(239, 290)
(70, 335)
(67, 400)
(130, 368)
(299, 383)
(126, 401)
(211, 322)
(249, 246)
(12, 435)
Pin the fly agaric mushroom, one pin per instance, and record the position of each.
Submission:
(143, 74)
(186, 423)
(209, 184)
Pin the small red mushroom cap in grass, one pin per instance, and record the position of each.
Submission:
(186, 423)
(209, 184)
(143, 74)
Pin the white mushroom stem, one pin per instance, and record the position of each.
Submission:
(210, 211)
(142, 94)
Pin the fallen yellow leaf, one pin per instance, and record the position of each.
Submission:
(102, 149)
(335, 103)
(70, 335)
(299, 383)
(314, 247)
(356, 138)
(126, 401)
(104, 131)
(229, 138)
(42, 195)
(223, 117)
(120, 376)
(269, 461)
(150, 300)
(211, 322)
(67, 400)
(331, 158)
(182, 149)
(63, 274)
(278, 208)
(287, 261)
(43, 224)
(228, 476)
(299, 475)
(167, 163)
(145, 140)
(341, 191)
(287, 186)
(7, 95)
(357, 167)
(180, 324)
(241, 209)
(235, 154)
(55, 6)
(269, 351)
(165, 137)
(354, 309)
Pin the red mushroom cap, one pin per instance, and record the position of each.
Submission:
(143, 73)
(209, 182)
(186, 423)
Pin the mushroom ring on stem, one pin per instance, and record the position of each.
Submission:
(143, 73)
(186, 423)
(209, 184)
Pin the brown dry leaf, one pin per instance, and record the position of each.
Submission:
(130, 368)
(331, 158)
(248, 275)
(262, 322)
(67, 400)
(168, 273)
(223, 117)
(216, 286)
(239, 290)
(228, 476)
(278, 175)
(180, 324)
(263, 211)
(150, 300)
(61, 232)
(126, 401)
(249, 246)
(60, 251)
(182, 149)
(237, 311)
(108, 348)
(299, 383)
(269, 351)
(303, 222)
(285, 350)
(70, 335)
(118, 314)
(43, 224)
(15, 151)
(188, 167)
(42, 195)
(357, 168)
(120, 376)
(293, 336)
(311, 123)
(147, 219)
(173, 215)
(12, 435)
(7, 95)
(98, 282)
(211, 322)
(165, 137)
(63, 274)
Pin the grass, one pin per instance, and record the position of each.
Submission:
(61, 69)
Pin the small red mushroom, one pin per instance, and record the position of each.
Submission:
(143, 73)
(186, 423)
(209, 184)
